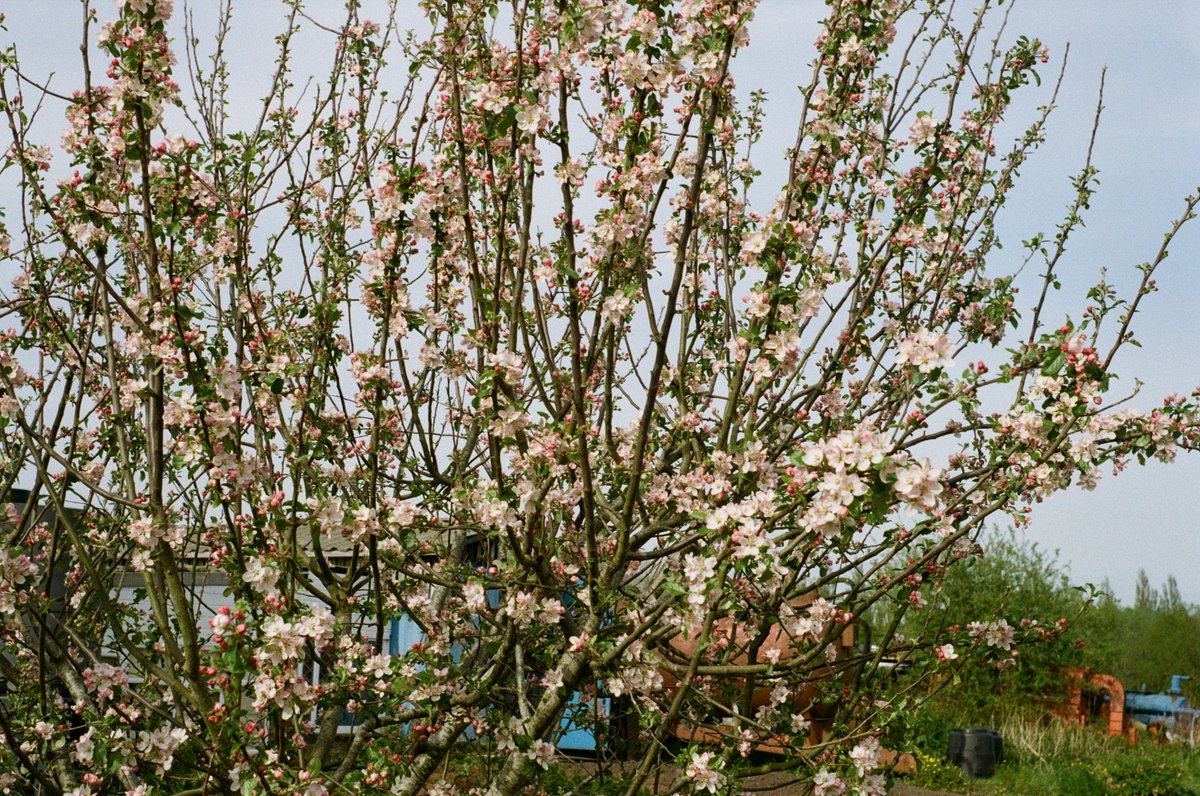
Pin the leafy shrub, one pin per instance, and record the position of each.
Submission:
(934, 772)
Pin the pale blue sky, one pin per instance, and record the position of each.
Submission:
(1148, 151)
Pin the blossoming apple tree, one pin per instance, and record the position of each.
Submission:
(505, 350)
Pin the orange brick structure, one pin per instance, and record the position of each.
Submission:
(729, 634)
(1084, 700)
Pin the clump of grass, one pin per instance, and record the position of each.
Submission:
(1051, 758)
(1048, 740)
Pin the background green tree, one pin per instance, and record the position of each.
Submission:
(1015, 580)
(1144, 644)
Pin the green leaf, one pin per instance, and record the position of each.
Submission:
(1054, 365)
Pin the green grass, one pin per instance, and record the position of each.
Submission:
(1050, 758)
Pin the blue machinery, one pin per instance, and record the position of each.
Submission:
(1170, 709)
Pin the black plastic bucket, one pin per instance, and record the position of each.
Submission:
(954, 747)
(982, 749)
